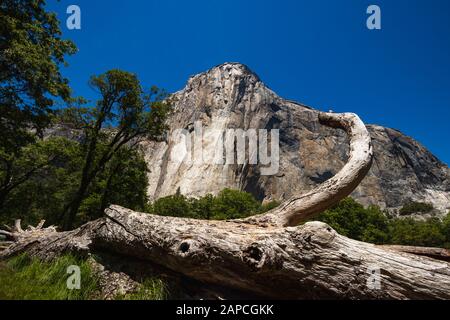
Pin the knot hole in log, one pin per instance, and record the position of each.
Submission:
(184, 247)
(253, 256)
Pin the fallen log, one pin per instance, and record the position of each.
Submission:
(435, 253)
(269, 255)
(310, 261)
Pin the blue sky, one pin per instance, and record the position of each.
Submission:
(318, 52)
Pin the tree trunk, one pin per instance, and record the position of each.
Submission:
(71, 212)
(266, 255)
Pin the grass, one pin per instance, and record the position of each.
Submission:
(25, 278)
(150, 289)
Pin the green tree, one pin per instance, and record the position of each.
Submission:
(228, 204)
(176, 205)
(123, 182)
(446, 229)
(417, 233)
(351, 219)
(31, 53)
(234, 204)
(43, 192)
(123, 115)
(44, 195)
(203, 208)
(416, 207)
(370, 224)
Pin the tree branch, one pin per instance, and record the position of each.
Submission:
(301, 208)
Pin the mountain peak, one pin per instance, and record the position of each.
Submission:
(226, 73)
(233, 67)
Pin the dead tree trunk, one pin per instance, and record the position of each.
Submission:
(268, 255)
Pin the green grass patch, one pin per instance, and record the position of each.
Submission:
(25, 278)
(150, 289)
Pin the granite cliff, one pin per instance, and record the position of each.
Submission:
(231, 96)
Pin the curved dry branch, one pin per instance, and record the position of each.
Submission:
(17, 226)
(303, 207)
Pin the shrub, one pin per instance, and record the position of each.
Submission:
(370, 224)
(417, 233)
(446, 229)
(203, 208)
(228, 204)
(175, 206)
(415, 207)
(234, 204)
(351, 219)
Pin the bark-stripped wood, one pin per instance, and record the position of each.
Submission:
(265, 255)
(435, 253)
(303, 207)
(308, 261)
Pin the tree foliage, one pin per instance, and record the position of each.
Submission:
(371, 224)
(45, 194)
(348, 218)
(351, 219)
(228, 204)
(66, 181)
(429, 233)
(416, 207)
(31, 53)
(123, 115)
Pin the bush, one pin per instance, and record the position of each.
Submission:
(370, 224)
(175, 206)
(234, 204)
(351, 219)
(228, 204)
(446, 230)
(203, 208)
(415, 207)
(417, 233)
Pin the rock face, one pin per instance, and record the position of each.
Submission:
(230, 96)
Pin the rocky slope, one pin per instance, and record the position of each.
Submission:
(230, 96)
